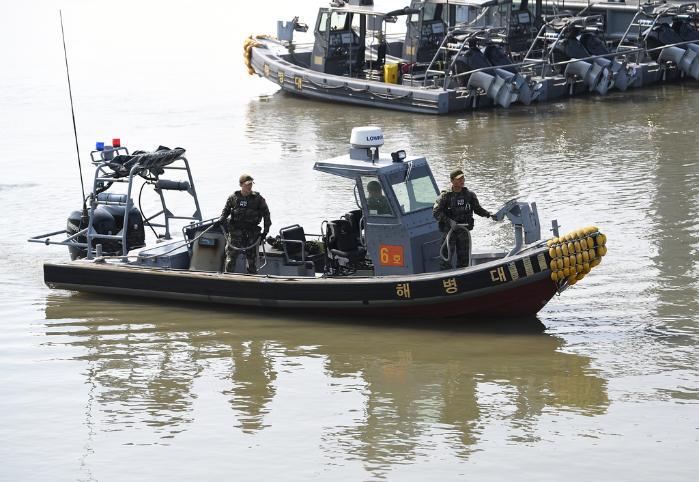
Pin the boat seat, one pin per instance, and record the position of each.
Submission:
(355, 220)
(343, 245)
(293, 239)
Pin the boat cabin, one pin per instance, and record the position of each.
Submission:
(427, 27)
(350, 39)
(395, 194)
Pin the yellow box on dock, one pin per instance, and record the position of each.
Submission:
(390, 73)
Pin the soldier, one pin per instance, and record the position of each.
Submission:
(376, 201)
(454, 208)
(246, 209)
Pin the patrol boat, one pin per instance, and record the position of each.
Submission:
(380, 258)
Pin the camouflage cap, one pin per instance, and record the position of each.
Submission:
(456, 173)
(244, 179)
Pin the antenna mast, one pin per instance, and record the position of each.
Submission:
(72, 111)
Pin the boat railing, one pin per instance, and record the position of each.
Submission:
(69, 241)
(104, 177)
(646, 20)
(455, 51)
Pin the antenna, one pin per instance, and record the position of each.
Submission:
(72, 111)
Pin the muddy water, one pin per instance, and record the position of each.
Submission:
(603, 384)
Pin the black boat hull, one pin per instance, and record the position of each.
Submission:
(515, 287)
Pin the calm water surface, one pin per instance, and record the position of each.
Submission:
(603, 385)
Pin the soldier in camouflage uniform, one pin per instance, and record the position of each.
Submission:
(246, 208)
(453, 208)
(376, 201)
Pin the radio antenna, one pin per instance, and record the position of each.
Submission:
(72, 111)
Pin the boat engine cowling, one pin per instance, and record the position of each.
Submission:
(496, 83)
(496, 55)
(499, 87)
(687, 60)
(595, 75)
(107, 220)
(622, 75)
(661, 34)
(471, 59)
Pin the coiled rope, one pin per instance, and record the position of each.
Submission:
(448, 244)
(248, 45)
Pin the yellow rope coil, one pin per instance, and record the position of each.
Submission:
(248, 45)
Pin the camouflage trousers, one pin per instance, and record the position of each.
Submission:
(459, 242)
(242, 238)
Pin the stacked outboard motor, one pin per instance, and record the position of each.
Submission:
(622, 75)
(595, 75)
(496, 55)
(686, 57)
(498, 84)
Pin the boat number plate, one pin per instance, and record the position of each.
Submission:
(391, 255)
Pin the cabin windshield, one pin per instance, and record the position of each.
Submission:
(461, 14)
(377, 203)
(419, 192)
(338, 21)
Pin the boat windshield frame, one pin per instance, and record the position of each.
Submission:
(412, 196)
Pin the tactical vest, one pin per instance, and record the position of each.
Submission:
(459, 207)
(247, 210)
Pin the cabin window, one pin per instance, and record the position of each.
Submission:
(339, 21)
(376, 201)
(462, 15)
(429, 11)
(323, 22)
(419, 192)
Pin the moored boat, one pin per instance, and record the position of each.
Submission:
(382, 261)
(458, 55)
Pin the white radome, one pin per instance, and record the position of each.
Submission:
(363, 137)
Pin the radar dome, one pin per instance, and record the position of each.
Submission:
(365, 137)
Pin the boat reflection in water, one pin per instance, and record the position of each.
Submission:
(387, 386)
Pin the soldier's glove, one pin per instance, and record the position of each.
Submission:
(453, 224)
(264, 236)
(216, 224)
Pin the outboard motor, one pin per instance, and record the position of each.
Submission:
(686, 59)
(622, 75)
(496, 55)
(593, 74)
(661, 34)
(108, 219)
(496, 83)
